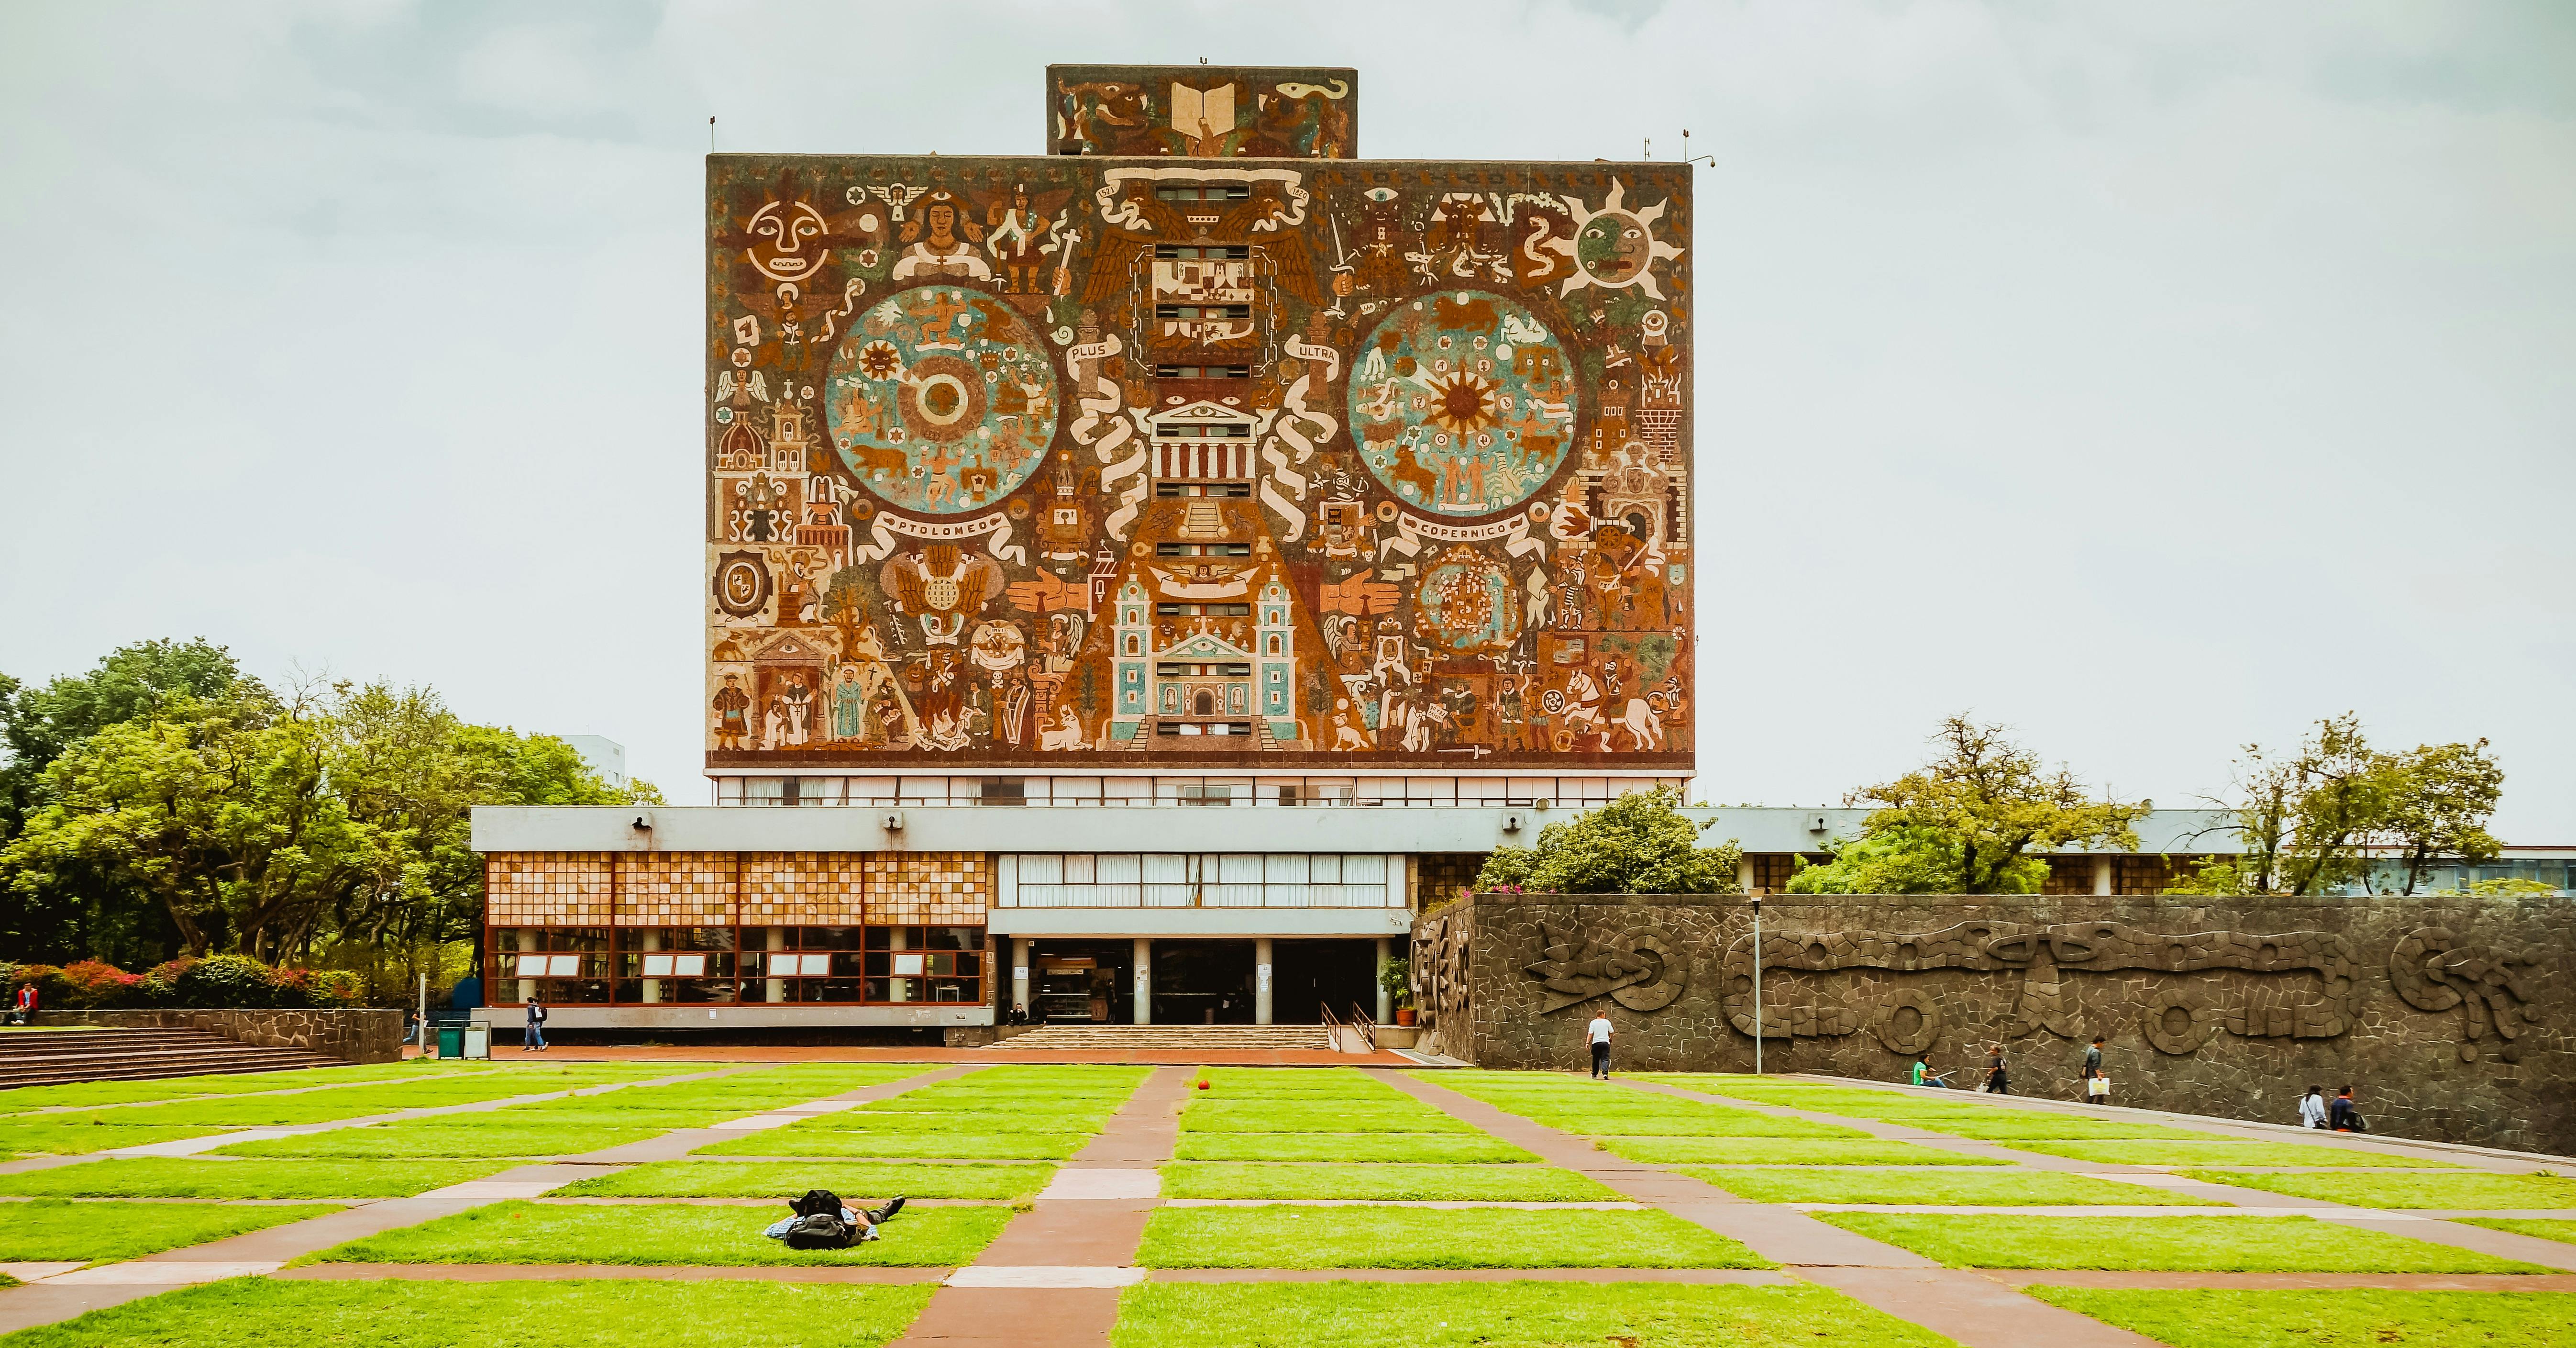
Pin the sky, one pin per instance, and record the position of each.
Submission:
(2153, 379)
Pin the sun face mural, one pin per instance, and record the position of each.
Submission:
(1236, 452)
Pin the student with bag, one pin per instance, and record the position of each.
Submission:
(2342, 1116)
(821, 1221)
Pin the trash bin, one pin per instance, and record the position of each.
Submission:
(478, 1041)
(451, 1041)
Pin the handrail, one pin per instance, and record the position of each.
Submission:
(1366, 1025)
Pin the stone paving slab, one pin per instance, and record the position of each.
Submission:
(1435, 1204)
(1977, 1312)
(1042, 1275)
(164, 1272)
(1014, 1317)
(1103, 1182)
(1739, 1277)
(30, 1272)
(2556, 1254)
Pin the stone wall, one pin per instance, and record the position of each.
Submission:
(354, 1034)
(2449, 1016)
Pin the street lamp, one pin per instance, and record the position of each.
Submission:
(1757, 985)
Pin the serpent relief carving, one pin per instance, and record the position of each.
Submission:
(2434, 970)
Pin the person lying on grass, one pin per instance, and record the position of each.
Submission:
(821, 1221)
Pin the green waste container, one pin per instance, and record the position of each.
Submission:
(451, 1041)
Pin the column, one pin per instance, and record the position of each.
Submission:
(777, 986)
(2103, 869)
(1385, 995)
(1020, 973)
(652, 986)
(1261, 980)
(1144, 980)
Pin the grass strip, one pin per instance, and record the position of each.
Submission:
(785, 1179)
(1385, 1183)
(1421, 1148)
(81, 1134)
(265, 1313)
(90, 1093)
(2347, 1318)
(853, 1121)
(1724, 1151)
(2177, 1244)
(44, 1229)
(1366, 1237)
(516, 1232)
(1501, 1315)
(1269, 1118)
(954, 1145)
(181, 1177)
(2546, 1228)
(2028, 1188)
(2049, 1127)
(2203, 1154)
(439, 1137)
(2462, 1190)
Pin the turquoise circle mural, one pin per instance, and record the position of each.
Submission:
(1462, 403)
(941, 400)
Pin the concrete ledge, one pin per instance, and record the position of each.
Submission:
(736, 1016)
(361, 1034)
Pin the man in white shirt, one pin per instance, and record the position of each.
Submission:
(1599, 1032)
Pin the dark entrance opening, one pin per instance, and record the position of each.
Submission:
(1202, 982)
(1081, 982)
(1306, 976)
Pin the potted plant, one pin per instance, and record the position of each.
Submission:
(1396, 976)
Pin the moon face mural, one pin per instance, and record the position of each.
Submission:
(941, 400)
(1464, 403)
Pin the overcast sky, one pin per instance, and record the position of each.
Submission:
(2151, 377)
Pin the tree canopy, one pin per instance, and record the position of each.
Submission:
(1970, 822)
(167, 800)
(2311, 820)
(1640, 843)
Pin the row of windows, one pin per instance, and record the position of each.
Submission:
(1236, 490)
(647, 966)
(1203, 430)
(1168, 790)
(1201, 252)
(1204, 671)
(1203, 192)
(1203, 610)
(1203, 728)
(1202, 372)
(1202, 549)
(1202, 311)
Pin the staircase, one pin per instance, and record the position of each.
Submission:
(1104, 1037)
(50, 1057)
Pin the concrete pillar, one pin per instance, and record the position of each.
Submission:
(1385, 997)
(777, 986)
(1261, 980)
(1744, 872)
(1020, 973)
(2103, 869)
(652, 986)
(1144, 980)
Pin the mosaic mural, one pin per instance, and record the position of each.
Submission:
(1026, 461)
(1265, 112)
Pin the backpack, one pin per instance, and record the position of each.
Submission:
(822, 1202)
(820, 1231)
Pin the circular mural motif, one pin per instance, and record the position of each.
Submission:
(941, 400)
(1462, 403)
(1465, 602)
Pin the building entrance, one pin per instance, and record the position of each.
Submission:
(1203, 982)
(1307, 976)
(1075, 982)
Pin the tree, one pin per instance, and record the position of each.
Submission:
(1640, 843)
(2311, 821)
(1970, 822)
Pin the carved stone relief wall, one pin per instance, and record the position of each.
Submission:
(2449, 1017)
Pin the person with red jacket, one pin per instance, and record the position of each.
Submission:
(25, 1006)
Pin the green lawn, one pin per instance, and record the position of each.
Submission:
(1709, 1122)
(1365, 1237)
(1388, 1183)
(43, 1229)
(2461, 1190)
(88, 1093)
(441, 1137)
(277, 1111)
(2338, 1319)
(2001, 1127)
(2546, 1228)
(678, 1233)
(265, 1313)
(178, 1177)
(861, 1121)
(1428, 1148)
(81, 1134)
(2227, 1153)
(1501, 1315)
(2187, 1244)
(957, 1144)
(785, 1179)
(2024, 1188)
(1783, 1151)
(1289, 1080)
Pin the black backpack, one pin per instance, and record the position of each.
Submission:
(818, 1222)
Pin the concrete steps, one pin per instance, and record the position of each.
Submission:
(53, 1057)
(1097, 1038)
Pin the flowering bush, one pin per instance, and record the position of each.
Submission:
(219, 980)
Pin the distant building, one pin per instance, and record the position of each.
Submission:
(602, 755)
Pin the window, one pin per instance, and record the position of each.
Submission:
(1203, 610)
(1003, 791)
(702, 965)
(1204, 430)
(1203, 671)
(1202, 311)
(1202, 549)
(1237, 490)
(1203, 191)
(1222, 252)
(1202, 372)
(1203, 728)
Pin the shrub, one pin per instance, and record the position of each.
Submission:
(97, 983)
(231, 980)
(339, 987)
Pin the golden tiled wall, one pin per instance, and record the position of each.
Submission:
(802, 889)
(675, 889)
(547, 889)
(927, 888)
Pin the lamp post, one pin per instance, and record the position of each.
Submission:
(1757, 985)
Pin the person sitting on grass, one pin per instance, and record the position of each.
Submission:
(821, 1221)
(1925, 1076)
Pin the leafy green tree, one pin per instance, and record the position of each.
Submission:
(2311, 821)
(1640, 843)
(1973, 821)
(2439, 806)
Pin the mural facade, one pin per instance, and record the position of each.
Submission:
(1243, 452)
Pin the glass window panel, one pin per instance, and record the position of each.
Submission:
(1363, 867)
(1324, 870)
(1166, 867)
(1284, 868)
(1041, 868)
(529, 966)
(1080, 868)
(1238, 868)
(657, 966)
(1121, 868)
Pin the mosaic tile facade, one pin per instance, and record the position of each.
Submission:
(546, 889)
(675, 889)
(776, 889)
(802, 889)
(1234, 451)
(928, 888)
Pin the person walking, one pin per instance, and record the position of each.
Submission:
(1599, 1033)
(23, 1010)
(2096, 1087)
(2312, 1108)
(1996, 1082)
(534, 1040)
